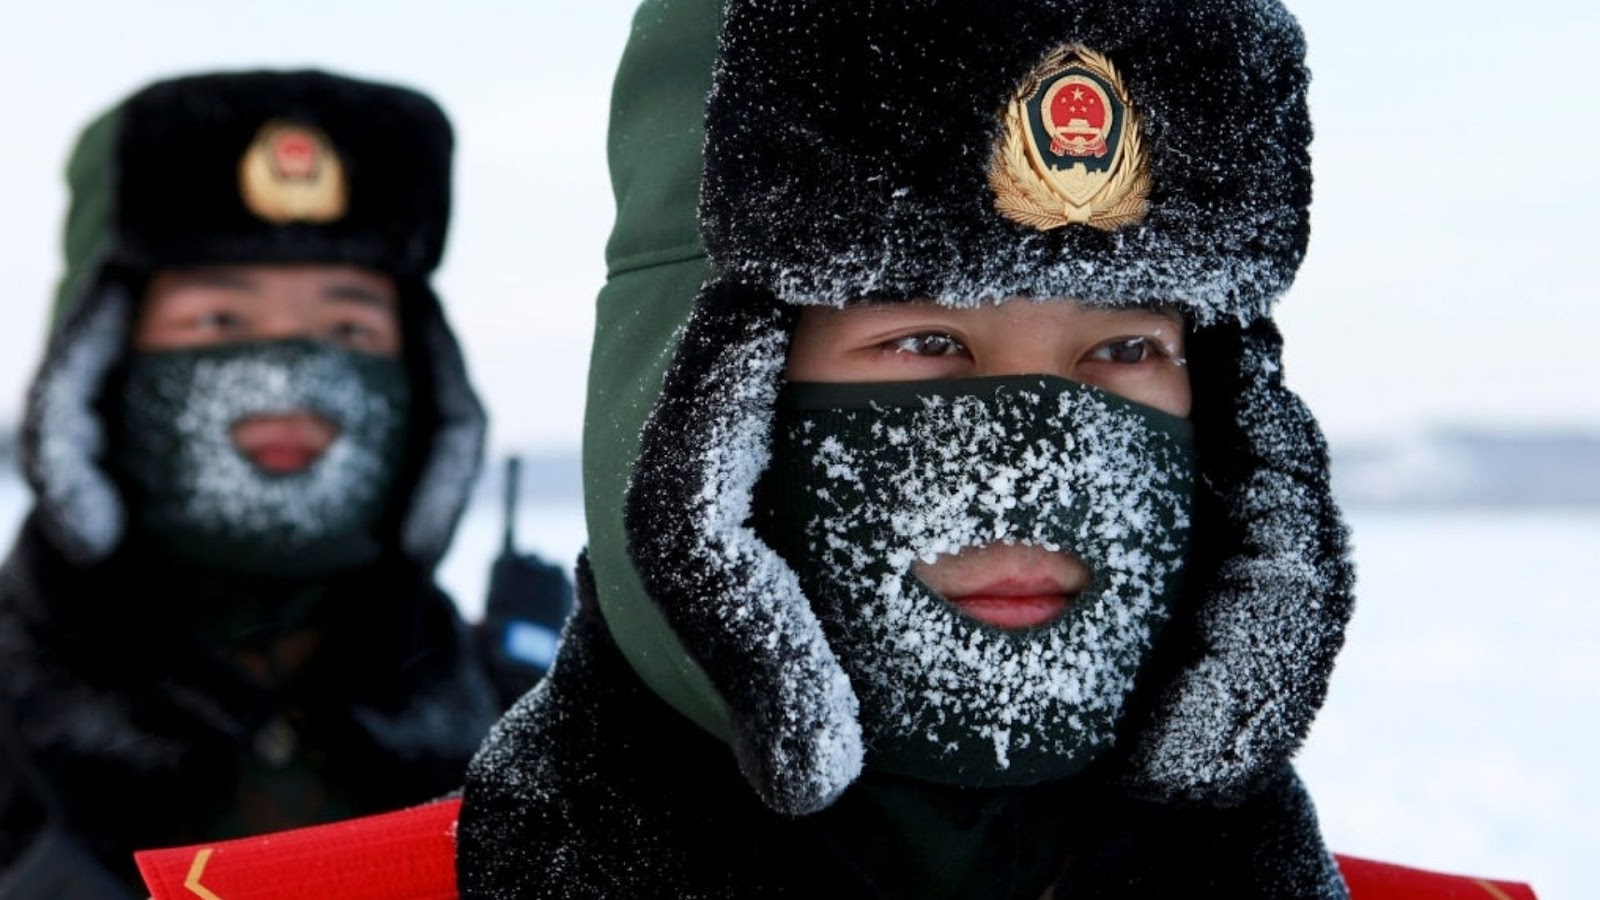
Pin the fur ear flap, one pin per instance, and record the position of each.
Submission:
(456, 453)
(732, 601)
(1273, 601)
(64, 442)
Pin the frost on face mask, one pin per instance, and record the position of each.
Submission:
(869, 479)
(198, 496)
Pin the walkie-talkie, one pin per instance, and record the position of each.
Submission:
(529, 600)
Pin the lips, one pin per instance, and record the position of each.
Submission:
(286, 443)
(1015, 603)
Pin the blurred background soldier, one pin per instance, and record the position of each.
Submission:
(250, 440)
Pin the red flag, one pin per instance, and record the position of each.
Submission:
(406, 855)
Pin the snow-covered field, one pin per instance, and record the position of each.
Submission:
(1461, 729)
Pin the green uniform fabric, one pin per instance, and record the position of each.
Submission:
(89, 237)
(656, 264)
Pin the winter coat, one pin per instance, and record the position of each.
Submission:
(630, 799)
(124, 729)
(126, 719)
(640, 803)
(357, 858)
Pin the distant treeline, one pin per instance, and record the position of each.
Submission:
(1463, 467)
(1447, 467)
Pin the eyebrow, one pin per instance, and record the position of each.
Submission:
(217, 277)
(360, 295)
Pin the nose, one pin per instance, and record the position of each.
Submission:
(1028, 360)
(1033, 344)
(284, 323)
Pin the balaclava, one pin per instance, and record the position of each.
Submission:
(253, 168)
(770, 155)
(872, 477)
(195, 498)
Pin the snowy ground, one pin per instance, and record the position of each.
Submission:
(1460, 732)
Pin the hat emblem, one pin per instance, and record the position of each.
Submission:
(291, 173)
(1069, 152)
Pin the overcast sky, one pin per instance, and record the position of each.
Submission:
(1451, 276)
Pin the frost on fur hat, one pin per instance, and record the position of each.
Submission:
(852, 149)
(261, 167)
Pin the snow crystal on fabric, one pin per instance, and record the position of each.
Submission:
(848, 147)
(1053, 465)
(1272, 616)
(769, 612)
(221, 491)
(65, 440)
(733, 603)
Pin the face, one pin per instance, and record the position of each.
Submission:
(1133, 353)
(1137, 354)
(209, 306)
(212, 306)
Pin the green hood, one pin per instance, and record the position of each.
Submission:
(90, 237)
(656, 264)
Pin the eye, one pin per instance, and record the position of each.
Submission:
(353, 331)
(219, 322)
(363, 335)
(356, 335)
(1128, 351)
(926, 344)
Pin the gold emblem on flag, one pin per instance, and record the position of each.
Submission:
(1070, 151)
(291, 173)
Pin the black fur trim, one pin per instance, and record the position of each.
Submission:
(1272, 578)
(175, 194)
(63, 442)
(454, 452)
(848, 144)
(592, 787)
(1234, 687)
(733, 603)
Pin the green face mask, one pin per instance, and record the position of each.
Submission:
(867, 479)
(197, 498)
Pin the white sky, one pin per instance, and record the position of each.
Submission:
(1450, 277)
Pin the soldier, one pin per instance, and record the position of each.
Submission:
(973, 544)
(249, 442)
(953, 531)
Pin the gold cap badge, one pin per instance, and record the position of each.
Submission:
(1070, 152)
(291, 173)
